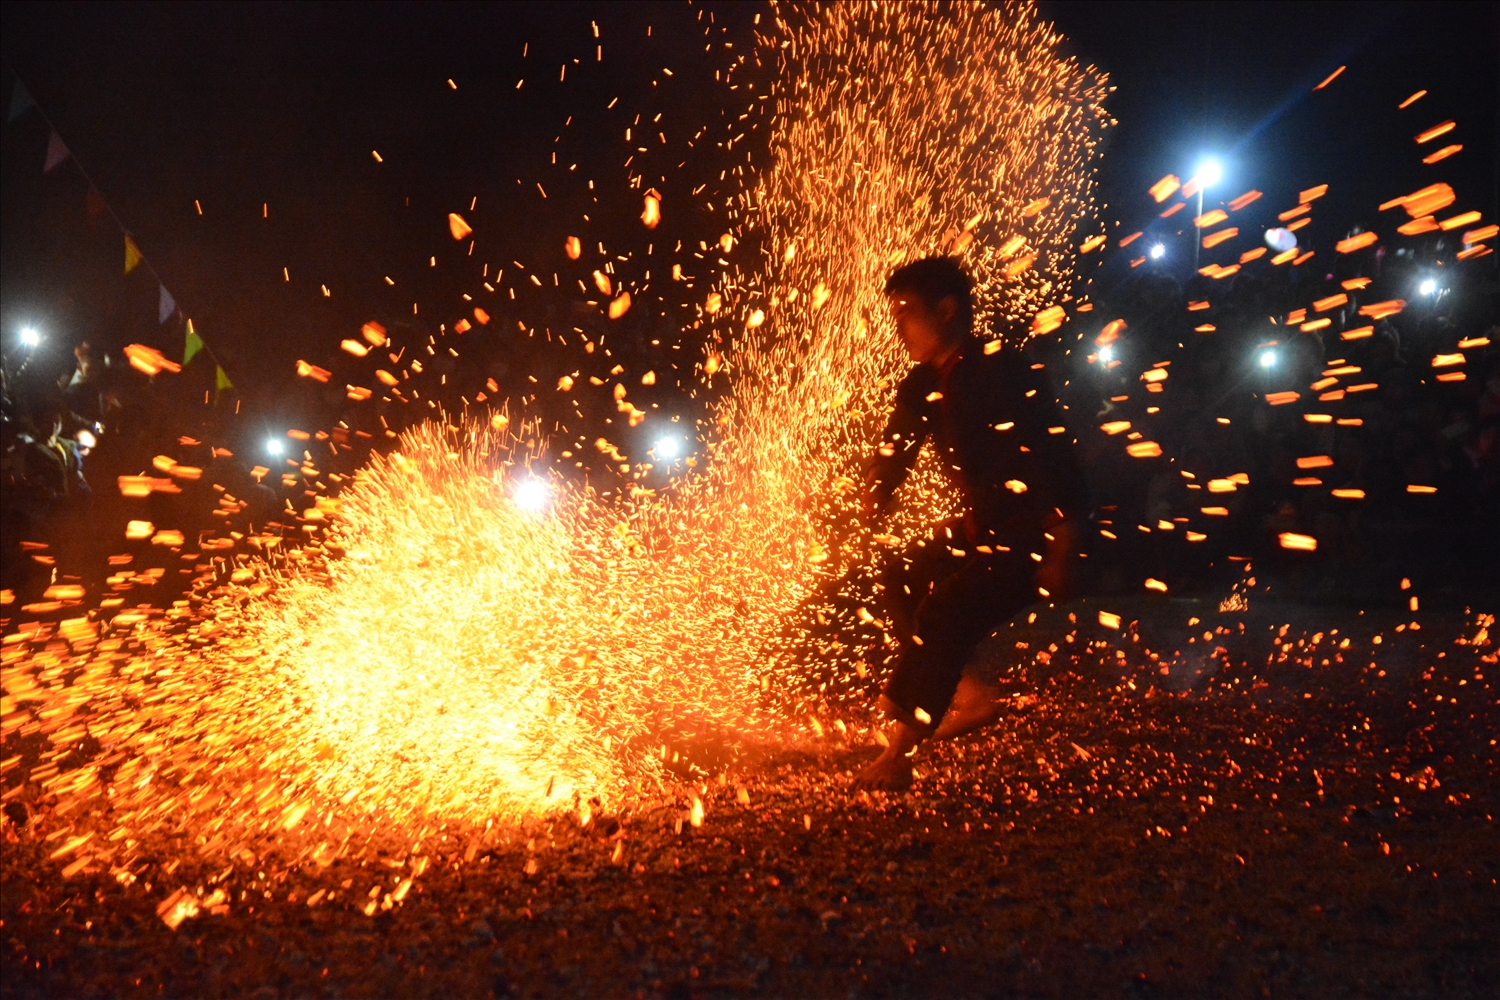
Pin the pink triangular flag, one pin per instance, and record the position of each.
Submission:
(57, 152)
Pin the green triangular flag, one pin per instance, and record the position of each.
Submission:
(193, 346)
(221, 381)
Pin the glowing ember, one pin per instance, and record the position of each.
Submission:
(1296, 542)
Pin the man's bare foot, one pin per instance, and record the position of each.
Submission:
(890, 772)
(962, 720)
(974, 706)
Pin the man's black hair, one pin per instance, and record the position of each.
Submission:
(936, 279)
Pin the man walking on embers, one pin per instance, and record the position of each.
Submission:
(988, 414)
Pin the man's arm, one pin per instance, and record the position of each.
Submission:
(900, 444)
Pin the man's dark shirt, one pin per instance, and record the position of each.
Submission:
(989, 416)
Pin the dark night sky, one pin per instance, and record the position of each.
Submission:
(240, 106)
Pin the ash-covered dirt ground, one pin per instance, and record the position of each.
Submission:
(1249, 813)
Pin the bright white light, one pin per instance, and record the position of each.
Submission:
(1106, 354)
(85, 438)
(1267, 359)
(531, 494)
(1209, 173)
(1157, 251)
(1281, 240)
(1427, 287)
(29, 337)
(275, 447)
(668, 448)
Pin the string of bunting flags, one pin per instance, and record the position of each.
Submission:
(141, 357)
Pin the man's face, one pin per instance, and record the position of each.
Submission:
(922, 328)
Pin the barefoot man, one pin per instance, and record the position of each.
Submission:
(990, 416)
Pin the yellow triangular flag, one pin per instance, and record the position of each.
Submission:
(132, 255)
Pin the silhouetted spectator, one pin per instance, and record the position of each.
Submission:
(49, 466)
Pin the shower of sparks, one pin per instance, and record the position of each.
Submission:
(476, 638)
(466, 637)
(877, 159)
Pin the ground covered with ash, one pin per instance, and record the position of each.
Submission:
(1264, 802)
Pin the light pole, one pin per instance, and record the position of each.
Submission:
(1208, 174)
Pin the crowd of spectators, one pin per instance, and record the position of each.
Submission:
(1376, 435)
(50, 423)
(50, 429)
(74, 418)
